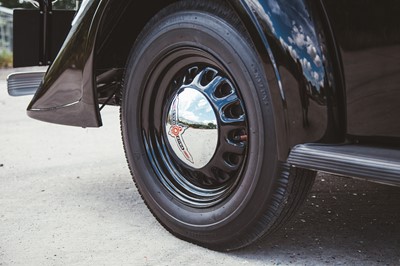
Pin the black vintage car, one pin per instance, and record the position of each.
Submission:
(228, 108)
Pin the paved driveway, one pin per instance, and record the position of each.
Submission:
(66, 198)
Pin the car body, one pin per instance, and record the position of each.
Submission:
(328, 72)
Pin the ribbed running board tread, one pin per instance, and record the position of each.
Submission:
(373, 163)
(24, 83)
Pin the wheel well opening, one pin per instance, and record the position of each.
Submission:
(121, 25)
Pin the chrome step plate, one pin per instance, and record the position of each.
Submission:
(24, 83)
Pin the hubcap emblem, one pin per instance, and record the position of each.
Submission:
(176, 131)
(191, 128)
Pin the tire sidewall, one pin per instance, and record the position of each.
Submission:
(235, 53)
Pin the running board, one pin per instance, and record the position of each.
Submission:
(372, 163)
(24, 83)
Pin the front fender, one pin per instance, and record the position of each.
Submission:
(67, 94)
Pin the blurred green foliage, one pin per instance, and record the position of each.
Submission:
(6, 58)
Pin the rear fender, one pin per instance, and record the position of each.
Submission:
(301, 62)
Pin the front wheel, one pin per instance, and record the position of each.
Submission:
(198, 129)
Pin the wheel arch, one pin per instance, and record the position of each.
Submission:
(303, 67)
(306, 109)
(305, 82)
(113, 42)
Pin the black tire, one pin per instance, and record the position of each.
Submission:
(243, 192)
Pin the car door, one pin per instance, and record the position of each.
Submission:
(368, 35)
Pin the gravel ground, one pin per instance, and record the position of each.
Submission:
(66, 198)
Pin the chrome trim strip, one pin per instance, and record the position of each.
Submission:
(56, 107)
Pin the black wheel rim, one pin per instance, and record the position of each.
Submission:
(213, 182)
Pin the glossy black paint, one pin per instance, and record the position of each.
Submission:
(302, 49)
(289, 38)
(368, 34)
(67, 93)
(304, 76)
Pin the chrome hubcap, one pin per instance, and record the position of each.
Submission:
(192, 128)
